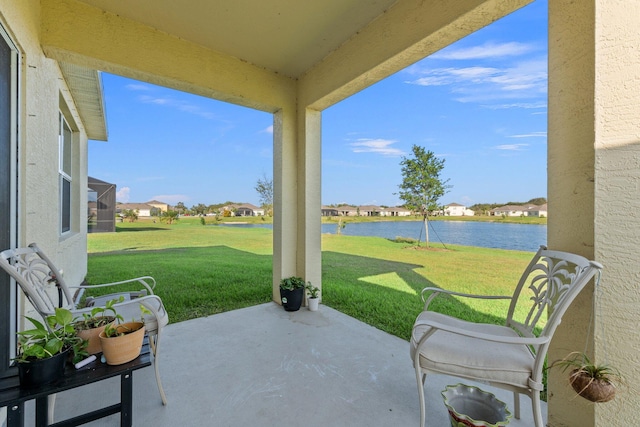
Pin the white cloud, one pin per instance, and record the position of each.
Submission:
(268, 129)
(526, 105)
(530, 135)
(172, 199)
(511, 147)
(378, 146)
(122, 195)
(485, 51)
(477, 84)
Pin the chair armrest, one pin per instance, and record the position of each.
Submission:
(435, 292)
(142, 280)
(435, 326)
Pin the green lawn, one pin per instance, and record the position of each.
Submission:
(203, 270)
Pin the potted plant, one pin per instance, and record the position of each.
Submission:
(121, 343)
(94, 322)
(292, 292)
(313, 299)
(43, 351)
(594, 382)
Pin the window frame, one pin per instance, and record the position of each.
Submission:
(10, 162)
(65, 174)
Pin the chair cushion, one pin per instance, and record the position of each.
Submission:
(473, 358)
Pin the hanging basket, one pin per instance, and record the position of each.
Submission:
(593, 389)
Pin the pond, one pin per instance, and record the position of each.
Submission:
(522, 237)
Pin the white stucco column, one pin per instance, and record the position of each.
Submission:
(296, 180)
(309, 196)
(594, 174)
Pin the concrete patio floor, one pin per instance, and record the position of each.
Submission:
(262, 366)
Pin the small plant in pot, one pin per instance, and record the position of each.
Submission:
(94, 322)
(292, 292)
(122, 342)
(594, 382)
(44, 351)
(313, 297)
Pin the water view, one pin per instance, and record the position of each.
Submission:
(522, 237)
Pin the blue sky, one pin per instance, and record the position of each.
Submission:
(480, 104)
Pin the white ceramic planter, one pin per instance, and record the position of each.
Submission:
(313, 303)
(471, 406)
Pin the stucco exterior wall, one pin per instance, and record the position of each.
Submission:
(42, 94)
(594, 172)
(617, 187)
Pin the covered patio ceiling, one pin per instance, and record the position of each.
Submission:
(332, 48)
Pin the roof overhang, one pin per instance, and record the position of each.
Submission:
(85, 85)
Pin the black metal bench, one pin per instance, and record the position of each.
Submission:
(13, 397)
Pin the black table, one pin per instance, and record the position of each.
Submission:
(14, 397)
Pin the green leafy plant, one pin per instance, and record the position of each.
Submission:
(99, 316)
(291, 283)
(312, 290)
(43, 342)
(116, 329)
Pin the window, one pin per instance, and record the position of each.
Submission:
(65, 141)
(9, 72)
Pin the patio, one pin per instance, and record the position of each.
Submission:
(263, 366)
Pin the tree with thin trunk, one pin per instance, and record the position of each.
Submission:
(264, 187)
(422, 186)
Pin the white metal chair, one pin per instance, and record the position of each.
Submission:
(46, 289)
(510, 356)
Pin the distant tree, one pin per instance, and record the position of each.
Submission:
(538, 201)
(422, 186)
(180, 207)
(169, 217)
(199, 209)
(264, 187)
(130, 215)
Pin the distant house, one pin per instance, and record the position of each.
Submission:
(347, 210)
(456, 209)
(160, 205)
(243, 209)
(539, 211)
(329, 211)
(397, 211)
(517, 210)
(143, 209)
(370, 210)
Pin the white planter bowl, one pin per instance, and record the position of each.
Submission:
(471, 406)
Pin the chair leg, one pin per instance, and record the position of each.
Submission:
(537, 410)
(420, 378)
(154, 343)
(516, 405)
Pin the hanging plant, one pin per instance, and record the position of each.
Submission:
(594, 382)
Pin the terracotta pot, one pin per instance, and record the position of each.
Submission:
(92, 336)
(595, 390)
(124, 348)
